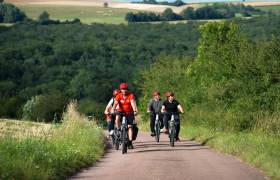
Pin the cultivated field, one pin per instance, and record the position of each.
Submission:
(87, 14)
(123, 5)
(21, 129)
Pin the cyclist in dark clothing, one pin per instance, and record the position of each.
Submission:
(154, 107)
(171, 106)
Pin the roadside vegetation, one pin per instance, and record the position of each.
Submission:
(48, 151)
(230, 91)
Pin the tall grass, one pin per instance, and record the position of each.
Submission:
(65, 148)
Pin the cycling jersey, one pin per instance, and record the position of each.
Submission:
(171, 106)
(125, 102)
(155, 106)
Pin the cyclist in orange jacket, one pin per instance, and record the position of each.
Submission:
(127, 105)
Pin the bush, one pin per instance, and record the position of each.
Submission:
(45, 108)
(10, 13)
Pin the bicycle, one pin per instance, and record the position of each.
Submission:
(124, 133)
(172, 129)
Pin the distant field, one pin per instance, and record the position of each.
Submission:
(21, 129)
(273, 9)
(87, 15)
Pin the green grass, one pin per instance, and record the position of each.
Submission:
(62, 150)
(87, 15)
(6, 24)
(259, 150)
(273, 9)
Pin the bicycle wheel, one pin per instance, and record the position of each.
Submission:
(172, 135)
(157, 131)
(124, 140)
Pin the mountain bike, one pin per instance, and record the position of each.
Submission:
(172, 129)
(124, 133)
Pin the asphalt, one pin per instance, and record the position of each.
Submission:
(150, 160)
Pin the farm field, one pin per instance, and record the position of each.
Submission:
(273, 9)
(86, 14)
(21, 129)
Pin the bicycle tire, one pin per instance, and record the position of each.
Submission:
(157, 132)
(172, 135)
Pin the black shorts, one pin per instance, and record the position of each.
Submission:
(129, 117)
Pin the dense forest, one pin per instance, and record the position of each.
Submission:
(44, 66)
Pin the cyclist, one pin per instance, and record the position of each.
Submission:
(111, 118)
(171, 106)
(154, 107)
(127, 105)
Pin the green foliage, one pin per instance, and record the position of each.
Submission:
(231, 82)
(44, 16)
(88, 62)
(81, 62)
(10, 13)
(45, 108)
(58, 153)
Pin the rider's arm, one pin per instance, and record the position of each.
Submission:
(114, 106)
(107, 109)
(134, 106)
(149, 106)
(180, 108)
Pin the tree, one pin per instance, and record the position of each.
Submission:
(188, 13)
(44, 16)
(105, 4)
(169, 15)
(1, 1)
(10, 13)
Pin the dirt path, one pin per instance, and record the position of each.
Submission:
(149, 160)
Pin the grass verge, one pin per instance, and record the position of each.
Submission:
(65, 148)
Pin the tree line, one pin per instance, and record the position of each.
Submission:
(176, 3)
(215, 11)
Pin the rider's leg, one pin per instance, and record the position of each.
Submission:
(130, 132)
(152, 123)
(161, 121)
(165, 121)
(130, 121)
(118, 121)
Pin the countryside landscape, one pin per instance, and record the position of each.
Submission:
(60, 61)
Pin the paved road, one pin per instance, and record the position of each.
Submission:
(149, 160)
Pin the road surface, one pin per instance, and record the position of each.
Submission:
(150, 160)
